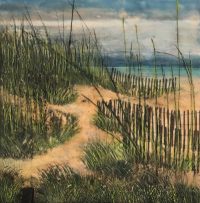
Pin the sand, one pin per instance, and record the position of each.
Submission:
(71, 152)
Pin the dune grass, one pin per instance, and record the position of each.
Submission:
(108, 159)
(28, 128)
(61, 184)
(41, 67)
(11, 184)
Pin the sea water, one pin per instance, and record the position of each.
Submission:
(166, 71)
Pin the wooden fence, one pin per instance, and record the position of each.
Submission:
(168, 138)
(143, 86)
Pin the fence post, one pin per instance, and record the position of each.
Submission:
(27, 195)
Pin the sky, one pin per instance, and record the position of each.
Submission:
(128, 5)
(155, 9)
(156, 19)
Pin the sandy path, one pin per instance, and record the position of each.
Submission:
(69, 153)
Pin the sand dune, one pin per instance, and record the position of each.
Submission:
(71, 152)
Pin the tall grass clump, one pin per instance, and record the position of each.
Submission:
(106, 123)
(107, 159)
(11, 184)
(32, 67)
(28, 128)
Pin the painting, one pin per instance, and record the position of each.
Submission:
(99, 101)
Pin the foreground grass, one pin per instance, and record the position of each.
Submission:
(10, 186)
(109, 182)
(61, 184)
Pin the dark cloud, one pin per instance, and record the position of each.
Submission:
(168, 7)
(11, 7)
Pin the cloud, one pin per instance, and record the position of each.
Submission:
(11, 7)
(145, 8)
